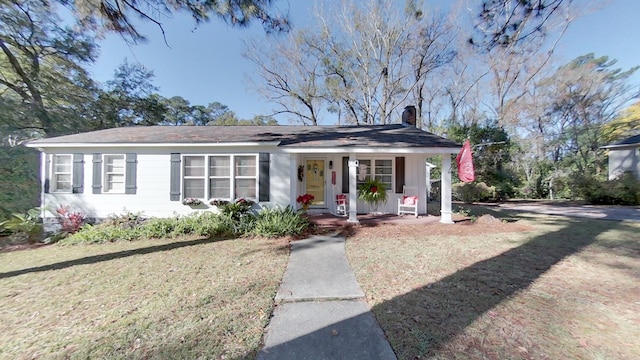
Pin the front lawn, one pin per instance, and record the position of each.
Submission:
(175, 298)
(558, 289)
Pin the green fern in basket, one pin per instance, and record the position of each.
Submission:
(372, 192)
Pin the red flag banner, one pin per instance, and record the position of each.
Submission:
(465, 163)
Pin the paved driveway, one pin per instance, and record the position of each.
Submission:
(604, 212)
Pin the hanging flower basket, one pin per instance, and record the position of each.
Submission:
(373, 192)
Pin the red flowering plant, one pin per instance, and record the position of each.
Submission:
(305, 199)
(70, 222)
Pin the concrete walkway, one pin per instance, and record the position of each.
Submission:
(321, 311)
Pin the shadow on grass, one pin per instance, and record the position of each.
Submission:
(110, 256)
(422, 321)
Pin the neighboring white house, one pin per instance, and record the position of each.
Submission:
(152, 169)
(624, 156)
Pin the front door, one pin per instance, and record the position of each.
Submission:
(314, 175)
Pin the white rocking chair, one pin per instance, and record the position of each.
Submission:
(341, 205)
(408, 204)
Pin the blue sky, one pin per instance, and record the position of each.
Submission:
(204, 64)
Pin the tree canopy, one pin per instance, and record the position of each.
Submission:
(504, 23)
(119, 15)
(42, 78)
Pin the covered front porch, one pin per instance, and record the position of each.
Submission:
(331, 173)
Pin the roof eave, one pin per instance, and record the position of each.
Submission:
(371, 150)
(148, 145)
(618, 146)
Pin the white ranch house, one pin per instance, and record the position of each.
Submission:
(153, 169)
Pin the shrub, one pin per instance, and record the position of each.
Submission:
(157, 228)
(472, 192)
(280, 222)
(126, 220)
(236, 221)
(237, 209)
(102, 233)
(237, 226)
(25, 226)
(70, 222)
(625, 190)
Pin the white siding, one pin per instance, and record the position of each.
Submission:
(279, 179)
(153, 184)
(625, 159)
(152, 196)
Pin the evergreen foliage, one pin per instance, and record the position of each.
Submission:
(129, 227)
(19, 180)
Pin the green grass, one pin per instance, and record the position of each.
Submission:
(568, 289)
(179, 298)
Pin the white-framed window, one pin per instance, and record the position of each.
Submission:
(61, 173)
(114, 174)
(381, 169)
(220, 177)
(193, 172)
(245, 176)
(227, 177)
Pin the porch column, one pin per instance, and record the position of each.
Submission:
(445, 190)
(293, 180)
(353, 190)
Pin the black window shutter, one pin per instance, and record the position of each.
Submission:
(77, 186)
(345, 175)
(264, 182)
(131, 173)
(97, 173)
(399, 174)
(47, 173)
(174, 192)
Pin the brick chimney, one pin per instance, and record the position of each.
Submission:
(409, 116)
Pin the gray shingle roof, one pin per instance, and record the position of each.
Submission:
(630, 141)
(377, 136)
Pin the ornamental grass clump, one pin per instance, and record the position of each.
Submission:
(274, 222)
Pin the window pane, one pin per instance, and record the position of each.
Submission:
(62, 182)
(245, 166)
(364, 170)
(384, 167)
(220, 188)
(194, 166)
(115, 183)
(62, 159)
(194, 188)
(115, 160)
(114, 163)
(58, 168)
(246, 188)
(219, 166)
(115, 168)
